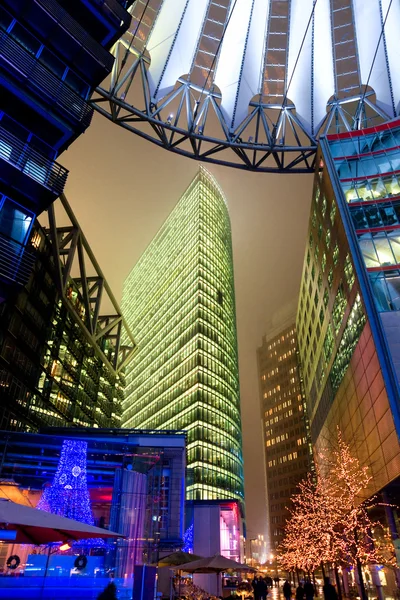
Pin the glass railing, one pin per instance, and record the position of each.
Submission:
(115, 7)
(42, 81)
(27, 159)
(16, 261)
(78, 32)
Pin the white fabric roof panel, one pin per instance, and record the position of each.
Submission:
(300, 58)
(392, 33)
(253, 60)
(180, 59)
(367, 16)
(324, 83)
(162, 39)
(173, 41)
(231, 56)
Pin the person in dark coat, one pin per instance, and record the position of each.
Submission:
(254, 585)
(329, 591)
(109, 593)
(300, 592)
(287, 590)
(261, 589)
(309, 590)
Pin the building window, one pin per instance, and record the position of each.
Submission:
(326, 298)
(349, 272)
(336, 255)
(328, 238)
(333, 212)
(339, 308)
(330, 277)
(323, 207)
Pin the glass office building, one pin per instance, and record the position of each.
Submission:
(285, 426)
(349, 311)
(179, 299)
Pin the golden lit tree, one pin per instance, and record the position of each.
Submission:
(330, 522)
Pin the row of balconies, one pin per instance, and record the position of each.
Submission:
(29, 72)
(68, 38)
(16, 263)
(28, 170)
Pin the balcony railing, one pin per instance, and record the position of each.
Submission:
(115, 8)
(31, 162)
(78, 32)
(16, 261)
(42, 81)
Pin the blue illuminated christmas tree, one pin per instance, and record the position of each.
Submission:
(68, 494)
(188, 540)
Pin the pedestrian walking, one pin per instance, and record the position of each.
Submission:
(300, 592)
(287, 590)
(261, 589)
(254, 585)
(329, 591)
(309, 590)
(109, 593)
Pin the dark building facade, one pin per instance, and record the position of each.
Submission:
(285, 430)
(348, 319)
(52, 55)
(61, 361)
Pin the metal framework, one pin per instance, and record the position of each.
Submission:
(72, 253)
(253, 83)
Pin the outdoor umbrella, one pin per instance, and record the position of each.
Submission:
(177, 558)
(214, 564)
(33, 526)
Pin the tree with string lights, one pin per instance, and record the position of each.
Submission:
(363, 541)
(330, 521)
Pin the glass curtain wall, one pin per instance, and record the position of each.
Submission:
(179, 299)
(368, 166)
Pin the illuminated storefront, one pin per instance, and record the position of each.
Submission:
(126, 481)
(179, 298)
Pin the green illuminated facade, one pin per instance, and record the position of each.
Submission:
(179, 299)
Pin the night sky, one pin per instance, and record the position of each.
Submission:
(122, 188)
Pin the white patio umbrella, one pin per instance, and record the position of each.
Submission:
(33, 526)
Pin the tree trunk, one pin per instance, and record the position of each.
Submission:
(361, 584)
(345, 578)
(314, 584)
(339, 588)
(323, 571)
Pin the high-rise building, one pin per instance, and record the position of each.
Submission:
(61, 359)
(285, 430)
(348, 319)
(52, 56)
(179, 299)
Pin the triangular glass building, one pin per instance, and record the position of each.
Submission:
(179, 300)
